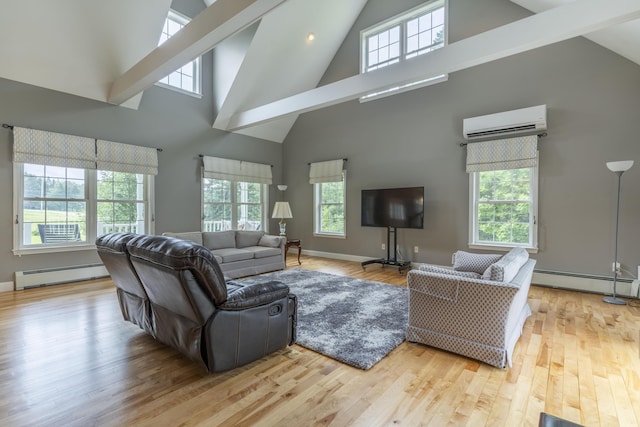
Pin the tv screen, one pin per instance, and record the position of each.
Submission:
(393, 207)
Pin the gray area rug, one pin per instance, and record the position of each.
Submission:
(355, 321)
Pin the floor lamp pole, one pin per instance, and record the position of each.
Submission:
(613, 299)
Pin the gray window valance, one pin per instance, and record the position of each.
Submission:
(501, 154)
(236, 170)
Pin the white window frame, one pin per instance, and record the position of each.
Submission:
(196, 64)
(317, 210)
(140, 202)
(264, 197)
(475, 243)
(19, 248)
(401, 20)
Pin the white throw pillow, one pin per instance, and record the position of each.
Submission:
(508, 267)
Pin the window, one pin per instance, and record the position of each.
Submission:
(65, 194)
(329, 208)
(187, 77)
(233, 205)
(416, 32)
(504, 208)
(54, 200)
(57, 208)
(121, 202)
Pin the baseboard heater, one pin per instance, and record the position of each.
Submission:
(585, 283)
(56, 276)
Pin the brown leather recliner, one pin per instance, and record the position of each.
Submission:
(218, 324)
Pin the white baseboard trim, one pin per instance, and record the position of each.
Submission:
(6, 286)
(333, 255)
(551, 279)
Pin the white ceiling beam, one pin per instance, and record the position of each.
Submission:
(551, 26)
(217, 22)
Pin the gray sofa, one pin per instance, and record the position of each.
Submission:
(477, 309)
(240, 253)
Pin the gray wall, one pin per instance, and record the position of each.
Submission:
(408, 139)
(177, 123)
(412, 139)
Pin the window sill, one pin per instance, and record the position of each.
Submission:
(53, 249)
(500, 248)
(180, 90)
(329, 235)
(405, 88)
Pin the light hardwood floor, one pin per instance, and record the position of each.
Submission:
(68, 359)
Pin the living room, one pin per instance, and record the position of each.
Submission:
(413, 138)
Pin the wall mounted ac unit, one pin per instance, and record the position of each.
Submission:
(523, 121)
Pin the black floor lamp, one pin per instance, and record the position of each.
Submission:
(618, 168)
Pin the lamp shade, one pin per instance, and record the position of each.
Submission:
(620, 166)
(282, 210)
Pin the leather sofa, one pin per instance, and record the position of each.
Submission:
(240, 252)
(477, 309)
(174, 290)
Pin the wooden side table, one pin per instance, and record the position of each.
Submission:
(290, 243)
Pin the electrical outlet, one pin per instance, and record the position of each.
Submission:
(384, 246)
(416, 249)
(615, 266)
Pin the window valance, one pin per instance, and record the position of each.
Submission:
(58, 149)
(236, 170)
(118, 157)
(53, 149)
(501, 154)
(328, 171)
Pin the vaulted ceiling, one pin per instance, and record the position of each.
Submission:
(107, 51)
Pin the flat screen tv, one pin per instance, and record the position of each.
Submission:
(393, 207)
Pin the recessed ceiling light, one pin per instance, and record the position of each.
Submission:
(311, 37)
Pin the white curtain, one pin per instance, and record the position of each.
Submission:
(236, 170)
(53, 149)
(329, 171)
(501, 154)
(118, 157)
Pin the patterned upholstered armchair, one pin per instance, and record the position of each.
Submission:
(477, 309)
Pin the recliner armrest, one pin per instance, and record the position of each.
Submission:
(242, 297)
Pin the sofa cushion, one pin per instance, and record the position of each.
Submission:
(270, 241)
(232, 254)
(477, 263)
(263, 252)
(219, 239)
(508, 267)
(248, 238)
(194, 236)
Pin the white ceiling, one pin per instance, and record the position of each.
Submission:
(77, 46)
(82, 47)
(622, 38)
(281, 62)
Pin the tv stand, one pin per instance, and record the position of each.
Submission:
(402, 265)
